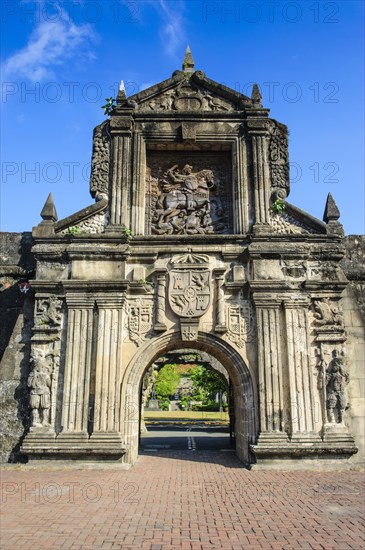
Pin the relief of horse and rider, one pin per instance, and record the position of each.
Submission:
(187, 202)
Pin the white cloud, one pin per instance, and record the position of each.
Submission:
(172, 32)
(49, 45)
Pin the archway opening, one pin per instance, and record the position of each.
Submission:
(186, 402)
(244, 391)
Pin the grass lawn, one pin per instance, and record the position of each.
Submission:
(185, 415)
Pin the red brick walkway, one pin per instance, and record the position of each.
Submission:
(181, 499)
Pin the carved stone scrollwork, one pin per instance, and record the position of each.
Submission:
(279, 159)
(48, 312)
(99, 178)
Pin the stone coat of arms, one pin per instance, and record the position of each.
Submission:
(190, 285)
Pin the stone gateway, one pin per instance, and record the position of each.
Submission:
(191, 244)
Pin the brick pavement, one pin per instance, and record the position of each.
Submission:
(181, 499)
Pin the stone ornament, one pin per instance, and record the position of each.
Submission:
(139, 319)
(337, 378)
(48, 313)
(327, 314)
(240, 321)
(99, 178)
(187, 97)
(94, 224)
(39, 381)
(186, 202)
(190, 285)
(279, 159)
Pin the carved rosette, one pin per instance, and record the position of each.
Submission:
(189, 292)
(139, 319)
(279, 159)
(99, 178)
(240, 320)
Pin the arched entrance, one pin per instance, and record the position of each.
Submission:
(186, 402)
(245, 399)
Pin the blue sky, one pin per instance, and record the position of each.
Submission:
(62, 59)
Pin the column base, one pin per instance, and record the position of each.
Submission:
(42, 445)
(277, 451)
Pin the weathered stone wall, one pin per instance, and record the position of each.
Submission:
(16, 312)
(353, 304)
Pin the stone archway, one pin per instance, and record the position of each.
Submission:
(245, 398)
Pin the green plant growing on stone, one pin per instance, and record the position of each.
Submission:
(127, 232)
(109, 106)
(74, 230)
(278, 206)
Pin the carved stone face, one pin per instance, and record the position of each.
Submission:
(187, 169)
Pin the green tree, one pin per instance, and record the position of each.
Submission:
(167, 381)
(207, 382)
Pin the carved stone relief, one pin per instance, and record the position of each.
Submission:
(186, 97)
(327, 313)
(42, 390)
(139, 319)
(287, 225)
(48, 312)
(279, 159)
(190, 285)
(99, 178)
(188, 194)
(240, 320)
(94, 224)
(332, 380)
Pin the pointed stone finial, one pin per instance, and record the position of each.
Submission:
(331, 212)
(49, 213)
(121, 92)
(256, 94)
(188, 63)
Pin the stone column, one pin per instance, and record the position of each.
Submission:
(76, 381)
(261, 177)
(138, 198)
(108, 365)
(120, 206)
(304, 408)
(241, 216)
(160, 324)
(221, 322)
(270, 369)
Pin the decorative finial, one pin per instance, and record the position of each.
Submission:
(122, 89)
(188, 63)
(331, 212)
(256, 95)
(48, 212)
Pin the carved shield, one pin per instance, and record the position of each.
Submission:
(189, 291)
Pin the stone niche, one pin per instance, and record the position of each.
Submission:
(188, 192)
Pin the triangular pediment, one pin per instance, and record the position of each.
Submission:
(184, 92)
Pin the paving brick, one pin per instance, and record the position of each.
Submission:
(184, 500)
